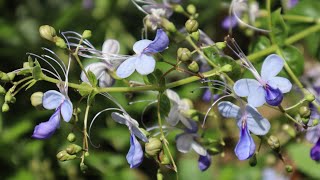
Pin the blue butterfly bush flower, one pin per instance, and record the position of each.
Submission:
(265, 88)
(135, 154)
(143, 62)
(248, 120)
(63, 107)
(187, 141)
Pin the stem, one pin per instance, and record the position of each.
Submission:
(85, 134)
(298, 18)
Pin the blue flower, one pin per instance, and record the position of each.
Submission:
(135, 154)
(292, 3)
(63, 107)
(315, 151)
(229, 22)
(143, 61)
(267, 87)
(248, 120)
(204, 162)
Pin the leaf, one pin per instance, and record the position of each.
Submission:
(92, 78)
(36, 71)
(295, 59)
(279, 28)
(308, 8)
(164, 105)
(258, 44)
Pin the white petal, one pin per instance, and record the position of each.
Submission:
(198, 149)
(184, 142)
(96, 68)
(173, 116)
(228, 110)
(173, 96)
(111, 46)
(145, 64)
(184, 120)
(139, 46)
(126, 68)
(244, 87)
(271, 66)
(255, 122)
(52, 99)
(279, 82)
(257, 97)
(105, 80)
(66, 110)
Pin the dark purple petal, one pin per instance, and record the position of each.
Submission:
(135, 154)
(194, 127)
(207, 95)
(204, 162)
(45, 129)
(273, 96)
(229, 22)
(315, 151)
(245, 147)
(159, 44)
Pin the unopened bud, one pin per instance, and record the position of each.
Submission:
(47, 32)
(305, 120)
(153, 147)
(73, 149)
(2, 90)
(315, 122)
(274, 143)
(9, 98)
(289, 168)
(83, 167)
(183, 54)
(192, 25)
(304, 112)
(164, 159)
(36, 99)
(221, 45)
(253, 161)
(309, 97)
(191, 9)
(159, 175)
(290, 130)
(5, 107)
(86, 154)
(195, 35)
(86, 34)
(64, 156)
(167, 25)
(193, 66)
(71, 137)
(178, 8)
(60, 42)
(226, 68)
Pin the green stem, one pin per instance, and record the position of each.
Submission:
(85, 146)
(298, 18)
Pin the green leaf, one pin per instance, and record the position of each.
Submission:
(31, 84)
(295, 59)
(164, 105)
(309, 8)
(153, 78)
(92, 78)
(279, 28)
(36, 71)
(258, 44)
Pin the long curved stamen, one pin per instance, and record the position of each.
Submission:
(50, 72)
(139, 7)
(61, 62)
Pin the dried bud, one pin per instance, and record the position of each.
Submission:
(36, 99)
(167, 25)
(86, 34)
(64, 156)
(195, 35)
(191, 9)
(192, 25)
(73, 149)
(47, 32)
(193, 66)
(71, 137)
(304, 112)
(183, 54)
(5, 107)
(274, 143)
(153, 147)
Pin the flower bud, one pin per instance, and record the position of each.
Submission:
(309, 97)
(178, 8)
(274, 143)
(193, 66)
(226, 68)
(221, 45)
(9, 98)
(191, 9)
(305, 120)
(195, 35)
(60, 42)
(86, 154)
(288, 129)
(183, 54)
(47, 32)
(83, 167)
(2, 90)
(153, 147)
(159, 175)
(71, 137)
(36, 99)
(192, 25)
(64, 156)
(11, 75)
(289, 168)
(5, 107)
(253, 161)
(304, 112)
(86, 34)
(315, 122)
(164, 159)
(167, 25)
(73, 149)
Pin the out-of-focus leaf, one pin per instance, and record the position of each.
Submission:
(279, 29)
(294, 59)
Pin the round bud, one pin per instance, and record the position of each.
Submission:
(305, 120)
(5, 107)
(164, 159)
(221, 45)
(2, 90)
(36, 99)
(60, 42)
(83, 167)
(191, 9)
(167, 25)
(86, 34)
(73, 149)
(159, 175)
(288, 129)
(289, 168)
(192, 25)
(86, 154)
(183, 54)
(47, 32)
(193, 66)
(71, 137)
(195, 35)
(64, 156)
(253, 161)
(315, 122)
(11, 75)
(153, 147)
(178, 8)
(274, 143)
(9, 98)
(309, 97)
(304, 112)
(226, 68)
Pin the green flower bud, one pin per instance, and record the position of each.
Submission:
(274, 143)
(309, 97)
(192, 25)
(11, 75)
(289, 168)
(183, 54)
(83, 167)
(5, 77)
(226, 68)
(178, 8)
(315, 122)
(26, 65)
(305, 120)
(291, 131)
(253, 161)
(167, 25)
(193, 66)
(195, 35)
(86, 154)
(153, 147)
(9, 98)
(214, 150)
(47, 32)
(304, 112)
(191, 9)
(221, 45)
(73, 149)
(60, 42)
(2, 90)
(86, 34)
(64, 156)
(36, 99)
(71, 137)
(5, 107)
(164, 159)
(159, 175)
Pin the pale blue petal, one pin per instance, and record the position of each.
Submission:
(105, 80)
(110, 46)
(137, 132)
(173, 96)
(228, 110)
(279, 82)
(256, 123)
(271, 66)
(97, 68)
(159, 44)
(173, 116)
(46, 129)
(145, 64)
(66, 110)
(246, 146)
(257, 97)
(126, 68)
(139, 46)
(52, 99)
(135, 154)
(184, 141)
(119, 118)
(198, 148)
(244, 87)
